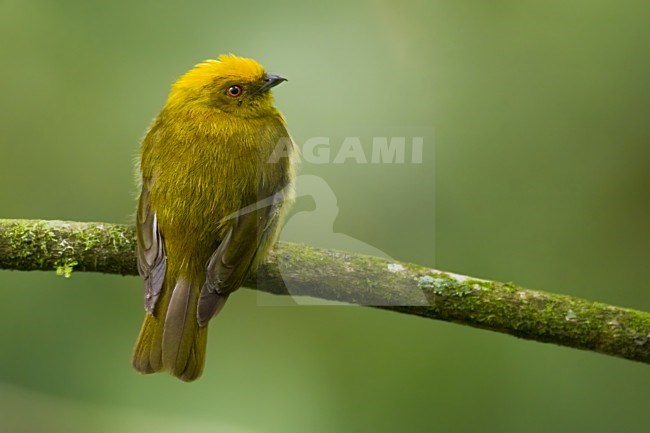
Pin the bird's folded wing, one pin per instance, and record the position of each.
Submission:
(230, 263)
(152, 260)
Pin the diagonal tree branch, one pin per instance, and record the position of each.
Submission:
(299, 270)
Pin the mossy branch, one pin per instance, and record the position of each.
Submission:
(299, 270)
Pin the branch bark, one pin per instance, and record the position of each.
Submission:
(298, 270)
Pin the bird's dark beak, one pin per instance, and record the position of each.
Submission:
(271, 81)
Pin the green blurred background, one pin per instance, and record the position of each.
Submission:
(540, 113)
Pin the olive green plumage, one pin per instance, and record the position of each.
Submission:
(217, 175)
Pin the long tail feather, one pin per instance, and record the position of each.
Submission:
(171, 338)
(196, 359)
(183, 342)
(147, 355)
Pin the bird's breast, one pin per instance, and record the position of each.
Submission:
(202, 175)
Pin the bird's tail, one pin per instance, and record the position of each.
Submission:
(171, 338)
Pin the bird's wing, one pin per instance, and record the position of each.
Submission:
(252, 228)
(152, 260)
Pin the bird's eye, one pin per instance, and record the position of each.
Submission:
(234, 91)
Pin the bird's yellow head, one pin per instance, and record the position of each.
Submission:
(231, 84)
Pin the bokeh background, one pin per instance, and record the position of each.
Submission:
(537, 172)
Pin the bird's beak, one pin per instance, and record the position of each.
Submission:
(271, 81)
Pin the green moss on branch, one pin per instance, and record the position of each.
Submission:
(63, 246)
(299, 270)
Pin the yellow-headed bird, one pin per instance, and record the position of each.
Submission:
(217, 176)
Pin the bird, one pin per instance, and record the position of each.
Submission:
(217, 178)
